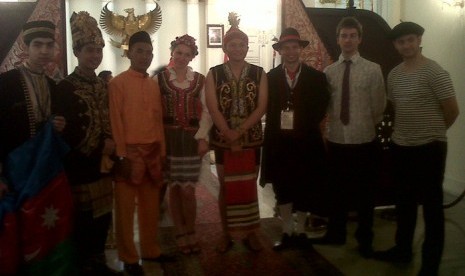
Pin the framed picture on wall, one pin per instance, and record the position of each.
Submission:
(215, 35)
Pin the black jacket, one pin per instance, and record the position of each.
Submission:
(311, 98)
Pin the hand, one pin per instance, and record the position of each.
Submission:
(202, 147)
(164, 163)
(59, 123)
(108, 147)
(231, 135)
(122, 169)
(3, 189)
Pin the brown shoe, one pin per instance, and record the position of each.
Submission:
(193, 243)
(134, 269)
(253, 243)
(225, 245)
(163, 258)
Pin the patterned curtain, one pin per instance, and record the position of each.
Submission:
(294, 15)
(52, 10)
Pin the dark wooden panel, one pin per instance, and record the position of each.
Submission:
(375, 44)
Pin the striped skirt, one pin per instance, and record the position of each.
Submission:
(183, 160)
(240, 182)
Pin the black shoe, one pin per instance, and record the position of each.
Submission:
(134, 269)
(394, 255)
(163, 258)
(329, 240)
(428, 272)
(301, 241)
(285, 243)
(366, 251)
(98, 269)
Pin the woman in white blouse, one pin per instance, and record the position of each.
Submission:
(183, 114)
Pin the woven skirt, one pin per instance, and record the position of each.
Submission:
(183, 160)
(240, 193)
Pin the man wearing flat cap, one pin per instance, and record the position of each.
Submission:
(425, 106)
(137, 127)
(25, 93)
(356, 107)
(293, 149)
(82, 99)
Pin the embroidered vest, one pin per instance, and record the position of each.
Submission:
(237, 99)
(181, 107)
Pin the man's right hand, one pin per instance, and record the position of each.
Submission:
(109, 146)
(122, 169)
(3, 189)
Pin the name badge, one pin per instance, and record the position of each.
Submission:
(287, 119)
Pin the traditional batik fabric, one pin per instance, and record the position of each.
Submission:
(237, 99)
(182, 110)
(240, 182)
(96, 196)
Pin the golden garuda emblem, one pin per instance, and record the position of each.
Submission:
(114, 24)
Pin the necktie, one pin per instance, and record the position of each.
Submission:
(345, 98)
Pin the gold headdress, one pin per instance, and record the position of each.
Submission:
(84, 30)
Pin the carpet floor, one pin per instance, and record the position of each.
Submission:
(239, 260)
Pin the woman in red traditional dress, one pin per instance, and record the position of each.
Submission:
(181, 89)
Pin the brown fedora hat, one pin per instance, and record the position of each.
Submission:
(290, 34)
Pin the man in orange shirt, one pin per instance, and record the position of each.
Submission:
(137, 126)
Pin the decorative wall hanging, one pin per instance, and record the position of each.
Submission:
(114, 24)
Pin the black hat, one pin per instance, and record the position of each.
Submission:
(290, 34)
(35, 29)
(405, 28)
(140, 36)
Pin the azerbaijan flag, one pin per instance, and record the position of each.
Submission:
(42, 207)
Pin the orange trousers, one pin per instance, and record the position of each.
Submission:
(141, 190)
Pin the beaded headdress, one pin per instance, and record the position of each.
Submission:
(187, 40)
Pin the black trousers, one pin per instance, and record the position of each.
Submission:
(418, 173)
(90, 235)
(353, 174)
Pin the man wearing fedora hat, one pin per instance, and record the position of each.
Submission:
(293, 150)
(425, 106)
(356, 107)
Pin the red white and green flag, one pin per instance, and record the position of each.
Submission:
(42, 206)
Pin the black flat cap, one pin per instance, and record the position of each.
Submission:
(140, 36)
(405, 28)
(35, 29)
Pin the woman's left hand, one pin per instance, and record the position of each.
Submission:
(202, 147)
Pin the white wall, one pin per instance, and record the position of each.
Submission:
(181, 17)
(444, 42)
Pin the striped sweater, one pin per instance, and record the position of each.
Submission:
(417, 97)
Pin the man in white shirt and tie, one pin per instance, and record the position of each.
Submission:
(356, 107)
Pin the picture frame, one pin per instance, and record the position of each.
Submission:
(215, 34)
